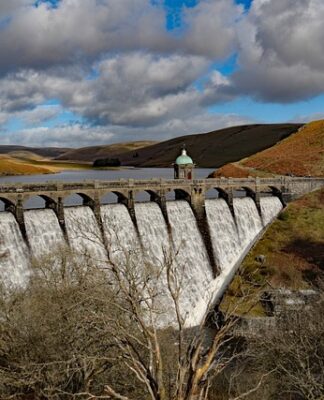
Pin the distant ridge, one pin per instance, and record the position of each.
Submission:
(50, 152)
(213, 149)
(92, 153)
(209, 150)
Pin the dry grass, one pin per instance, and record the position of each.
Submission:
(300, 154)
(12, 166)
(25, 163)
(235, 170)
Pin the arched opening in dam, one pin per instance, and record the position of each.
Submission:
(6, 204)
(109, 198)
(212, 193)
(144, 196)
(40, 201)
(76, 199)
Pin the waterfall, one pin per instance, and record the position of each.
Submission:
(153, 232)
(146, 246)
(43, 238)
(270, 208)
(225, 239)
(120, 234)
(191, 257)
(84, 235)
(14, 255)
(157, 253)
(233, 238)
(248, 221)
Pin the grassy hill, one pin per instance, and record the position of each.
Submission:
(14, 166)
(301, 154)
(41, 151)
(212, 149)
(294, 257)
(208, 150)
(24, 162)
(95, 152)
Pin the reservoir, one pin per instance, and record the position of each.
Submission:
(104, 175)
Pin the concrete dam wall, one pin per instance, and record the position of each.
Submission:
(146, 236)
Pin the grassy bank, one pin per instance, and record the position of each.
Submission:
(29, 164)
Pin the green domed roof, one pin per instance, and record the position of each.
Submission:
(184, 159)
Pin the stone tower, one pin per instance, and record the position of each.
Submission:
(183, 166)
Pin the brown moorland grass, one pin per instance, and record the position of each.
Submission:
(235, 170)
(25, 163)
(12, 166)
(231, 170)
(300, 154)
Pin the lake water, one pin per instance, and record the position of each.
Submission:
(125, 173)
(77, 176)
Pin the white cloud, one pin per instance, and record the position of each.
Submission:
(78, 135)
(146, 77)
(60, 136)
(211, 28)
(281, 55)
(39, 114)
(44, 36)
(9, 7)
(131, 89)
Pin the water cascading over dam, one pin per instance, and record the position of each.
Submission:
(149, 237)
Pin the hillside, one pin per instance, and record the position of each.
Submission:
(208, 150)
(13, 166)
(25, 155)
(293, 249)
(25, 162)
(212, 149)
(41, 151)
(301, 154)
(94, 152)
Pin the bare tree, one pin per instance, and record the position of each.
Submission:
(75, 330)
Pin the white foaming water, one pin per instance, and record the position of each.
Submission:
(270, 208)
(153, 232)
(248, 220)
(120, 233)
(14, 262)
(192, 260)
(44, 233)
(225, 239)
(84, 235)
(231, 239)
(157, 253)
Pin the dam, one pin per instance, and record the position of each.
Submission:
(206, 237)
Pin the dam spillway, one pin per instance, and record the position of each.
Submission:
(147, 237)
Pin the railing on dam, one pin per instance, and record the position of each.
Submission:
(161, 183)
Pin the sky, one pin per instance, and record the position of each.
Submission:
(78, 73)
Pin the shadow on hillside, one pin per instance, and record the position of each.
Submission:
(313, 253)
